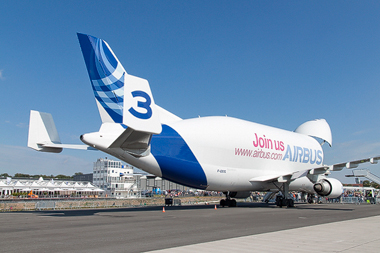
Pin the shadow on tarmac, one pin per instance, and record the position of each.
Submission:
(89, 212)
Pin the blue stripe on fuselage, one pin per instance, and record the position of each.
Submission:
(176, 160)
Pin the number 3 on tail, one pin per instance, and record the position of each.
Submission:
(145, 105)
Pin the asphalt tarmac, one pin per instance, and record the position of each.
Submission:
(191, 228)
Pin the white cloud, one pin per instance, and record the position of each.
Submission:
(21, 125)
(1, 74)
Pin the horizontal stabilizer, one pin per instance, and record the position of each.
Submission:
(69, 146)
(43, 135)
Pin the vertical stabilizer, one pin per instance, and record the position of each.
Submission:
(121, 98)
(106, 75)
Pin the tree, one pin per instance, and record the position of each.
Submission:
(366, 183)
(22, 175)
(60, 176)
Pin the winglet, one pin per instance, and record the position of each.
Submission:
(43, 135)
(42, 131)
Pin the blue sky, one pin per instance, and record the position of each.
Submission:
(279, 63)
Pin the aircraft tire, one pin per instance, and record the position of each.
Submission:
(279, 201)
(290, 203)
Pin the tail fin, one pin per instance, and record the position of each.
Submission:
(121, 98)
(42, 131)
(106, 75)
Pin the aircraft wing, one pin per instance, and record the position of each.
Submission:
(326, 169)
(348, 165)
(280, 177)
(315, 173)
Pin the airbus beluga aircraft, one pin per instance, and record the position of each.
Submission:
(211, 153)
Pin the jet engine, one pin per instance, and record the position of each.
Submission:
(329, 187)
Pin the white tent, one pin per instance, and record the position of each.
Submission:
(40, 186)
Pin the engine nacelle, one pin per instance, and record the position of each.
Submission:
(329, 187)
(239, 195)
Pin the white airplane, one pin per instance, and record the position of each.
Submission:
(222, 154)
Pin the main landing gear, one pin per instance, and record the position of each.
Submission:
(280, 199)
(228, 201)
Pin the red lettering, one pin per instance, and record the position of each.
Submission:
(257, 142)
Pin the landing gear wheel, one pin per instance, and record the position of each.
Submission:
(279, 201)
(228, 202)
(290, 203)
(232, 203)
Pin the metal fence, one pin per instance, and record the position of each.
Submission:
(71, 204)
(359, 200)
(6, 206)
(39, 205)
